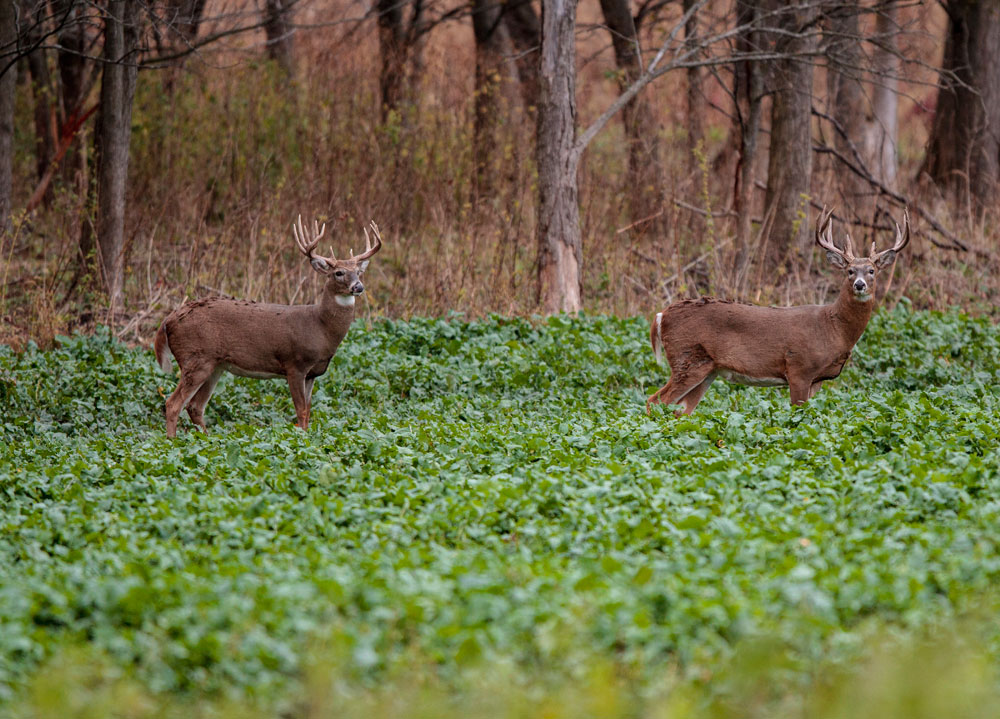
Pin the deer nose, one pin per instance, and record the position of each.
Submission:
(357, 288)
(860, 285)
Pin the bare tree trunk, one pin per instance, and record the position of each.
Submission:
(278, 28)
(963, 153)
(847, 96)
(643, 182)
(73, 83)
(8, 90)
(695, 99)
(32, 16)
(789, 167)
(749, 90)
(398, 47)
(114, 128)
(490, 35)
(560, 251)
(525, 32)
(882, 131)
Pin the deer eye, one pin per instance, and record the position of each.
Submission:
(871, 271)
(851, 272)
(339, 273)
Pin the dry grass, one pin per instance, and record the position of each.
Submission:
(224, 157)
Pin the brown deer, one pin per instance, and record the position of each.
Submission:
(770, 346)
(215, 335)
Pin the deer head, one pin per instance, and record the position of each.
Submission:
(343, 276)
(861, 271)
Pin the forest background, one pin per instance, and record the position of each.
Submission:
(519, 157)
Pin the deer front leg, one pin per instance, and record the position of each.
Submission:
(300, 398)
(799, 389)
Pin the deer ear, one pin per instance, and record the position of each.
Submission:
(885, 260)
(363, 266)
(319, 264)
(836, 260)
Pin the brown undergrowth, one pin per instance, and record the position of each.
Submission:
(225, 158)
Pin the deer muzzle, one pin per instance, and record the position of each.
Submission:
(860, 286)
(357, 288)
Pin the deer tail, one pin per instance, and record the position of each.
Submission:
(656, 337)
(162, 348)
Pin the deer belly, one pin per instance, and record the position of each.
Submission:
(239, 371)
(737, 378)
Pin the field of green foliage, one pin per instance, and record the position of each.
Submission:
(489, 499)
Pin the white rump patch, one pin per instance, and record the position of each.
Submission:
(737, 378)
(345, 300)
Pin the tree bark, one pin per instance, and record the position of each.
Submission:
(73, 83)
(695, 94)
(643, 180)
(749, 91)
(398, 50)
(560, 251)
(113, 132)
(525, 31)
(882, 130)
(847, 97)
(789, 166)
(963, 152)
(8, 89)
(489, 34)
(278, 29)
(41, 87)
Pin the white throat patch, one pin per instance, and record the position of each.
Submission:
(345, 300)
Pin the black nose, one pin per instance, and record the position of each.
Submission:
(859, 285)
(357, 288)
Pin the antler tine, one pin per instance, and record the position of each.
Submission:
(849, 247)
(371, 249)
(902, 237)
(824, 236)
(308, 246)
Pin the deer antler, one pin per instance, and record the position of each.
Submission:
(307, 246)
(824, 236)
(371, 250)
(902, 238)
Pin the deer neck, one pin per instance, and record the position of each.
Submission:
(336, 312)
(850, 315)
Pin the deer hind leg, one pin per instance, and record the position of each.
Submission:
(687, 386)
(196, 407)
(815, 388)
(300, 397)
(192, 378)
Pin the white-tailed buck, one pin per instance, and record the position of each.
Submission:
(770, 346)
(215, 335)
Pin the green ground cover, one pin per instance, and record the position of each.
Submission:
(492, 494)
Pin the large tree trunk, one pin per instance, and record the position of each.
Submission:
(963, 153)
(695, 93)
(490, 35)
(847, 97)
(73, 83)
(882, 130)
(8, 88)
(560, 253)
(643, 181)
(789, 167)
(749, 91)
(399, 49)
(32, 16)
(278, 28)
(525, 31)
(113, 132)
